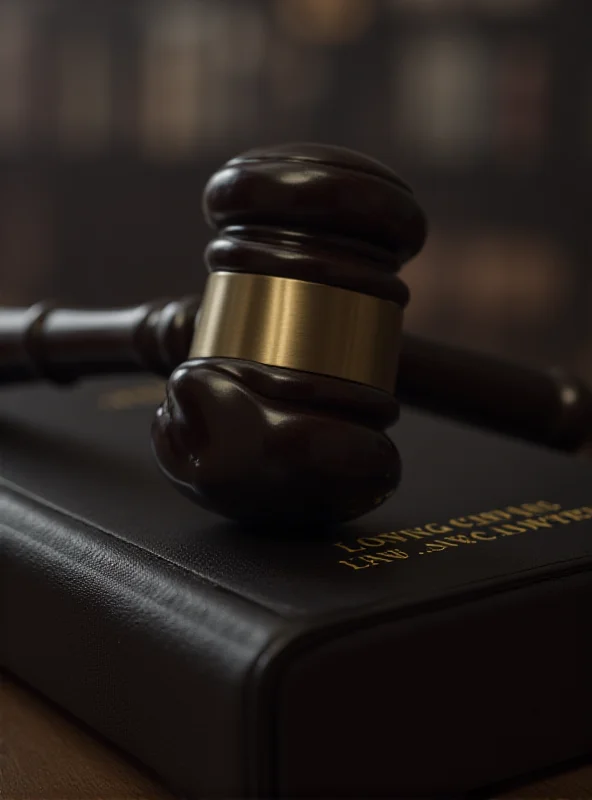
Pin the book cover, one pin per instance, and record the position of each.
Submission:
(436, 646)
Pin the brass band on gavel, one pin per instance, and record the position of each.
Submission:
(299, 325)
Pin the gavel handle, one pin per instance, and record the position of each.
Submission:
(64, 345)
(547, 407)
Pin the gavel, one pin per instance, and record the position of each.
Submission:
(284, 378)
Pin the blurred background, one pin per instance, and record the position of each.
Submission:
(114, 114)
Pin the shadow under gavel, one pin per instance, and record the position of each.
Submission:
(59, 345)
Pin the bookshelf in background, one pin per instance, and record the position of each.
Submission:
(113, 115)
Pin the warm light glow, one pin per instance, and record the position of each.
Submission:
(326, 21)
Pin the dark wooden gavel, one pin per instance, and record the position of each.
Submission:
(282, 379)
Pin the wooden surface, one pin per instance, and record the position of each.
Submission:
(46, 756)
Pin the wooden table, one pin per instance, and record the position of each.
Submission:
(45, 755)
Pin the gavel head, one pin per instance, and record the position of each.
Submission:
(279, 414)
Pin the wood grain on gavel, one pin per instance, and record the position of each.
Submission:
(66, 345)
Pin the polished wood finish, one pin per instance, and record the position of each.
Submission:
(547, 407)
(64, 345)
(263, 443)
(257, 446)
(316, 213)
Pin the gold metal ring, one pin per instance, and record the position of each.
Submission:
(299, 325)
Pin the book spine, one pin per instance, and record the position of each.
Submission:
(128, 644)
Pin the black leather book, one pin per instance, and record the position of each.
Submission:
(438, 645)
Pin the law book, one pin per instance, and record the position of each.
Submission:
(436, 646)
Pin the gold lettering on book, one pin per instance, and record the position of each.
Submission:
(395, 553)
(536, 523)
(349, 549)
(461, 522)
(490, 516)
(355, 566)
(480, 536)
(370, 541)
(519, 512)
(416, 533)
(433, 528)
(559, 518)
(578, 515)
(510, 530)
(434, 547)
(542, 504)
(392, 536)
(460, 538)
(495, 525)
(375, 559)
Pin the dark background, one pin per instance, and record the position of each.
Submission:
(113, 114)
